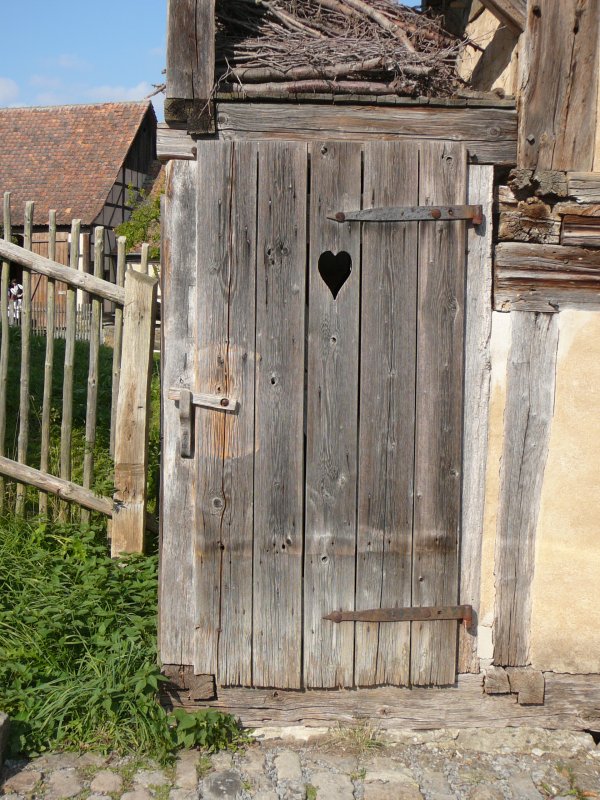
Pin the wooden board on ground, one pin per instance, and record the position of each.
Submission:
(572, 702)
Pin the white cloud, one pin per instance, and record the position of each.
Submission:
(69, 61)
(9, 91)
(159, 52)
(45, 82)
(107, 93)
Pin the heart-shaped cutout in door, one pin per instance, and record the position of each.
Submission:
(335, 269)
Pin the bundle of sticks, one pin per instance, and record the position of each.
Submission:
(335, 46)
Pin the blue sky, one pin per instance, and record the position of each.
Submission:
(75, 51)
(80, 52)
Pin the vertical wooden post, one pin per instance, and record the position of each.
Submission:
(5, 336)
(84, 266)
(66, 427)
(117, 343)
(25, 321)
(133, 415)
(144, 258)
(94, 362)
(49, 362)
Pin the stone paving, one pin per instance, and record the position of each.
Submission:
(354, 763)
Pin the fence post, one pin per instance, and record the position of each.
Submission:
(133, 415)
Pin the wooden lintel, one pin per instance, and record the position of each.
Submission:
(512, 13)
(489, 134)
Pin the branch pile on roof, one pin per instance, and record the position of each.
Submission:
(334, 46)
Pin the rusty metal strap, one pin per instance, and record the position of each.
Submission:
(407, 614)
(412, 214)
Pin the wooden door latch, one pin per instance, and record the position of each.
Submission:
(407, 614)
(186, 400)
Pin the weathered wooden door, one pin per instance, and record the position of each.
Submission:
(335, 485)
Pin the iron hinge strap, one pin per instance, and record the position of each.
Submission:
(412, 214)
(407, 614)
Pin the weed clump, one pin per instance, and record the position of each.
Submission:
(78, 667)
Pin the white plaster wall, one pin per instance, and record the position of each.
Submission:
(498, 67)
(566, 586)
(565, 625)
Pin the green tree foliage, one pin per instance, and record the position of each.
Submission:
(144, 222)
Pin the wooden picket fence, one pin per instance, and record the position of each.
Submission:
(134, 296)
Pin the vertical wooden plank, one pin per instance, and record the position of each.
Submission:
(144, 258)
(226, 214)
(93, 368)
(66, 426)
(440, 319)
(25, 321)
(48, 362)
(331, 420)
(527, 422)
(559, 85)
(83, 298)
(278, 482)
(190, 49)
(117, 343)
(177, 607)
(478, 330)
(387, 403)
(4, 344)
(133, 415)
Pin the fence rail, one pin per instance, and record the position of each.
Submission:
(135, 299)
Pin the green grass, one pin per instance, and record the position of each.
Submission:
(78, 631)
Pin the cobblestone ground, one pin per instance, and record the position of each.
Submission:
(349, 764)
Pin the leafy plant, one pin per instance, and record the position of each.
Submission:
(208, 729)
(144, 223)
(78, 648)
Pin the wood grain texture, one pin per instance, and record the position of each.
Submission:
(512, 13)
(584, 186)
(559, 85)
(571, 703)
(386, 435)
(117, 342)
(527, 421)
(546, 278)
(331, 420)
(4, 343)
(580, 229)
(478, 329)
(174, 143)
(278, 514)
(439, 394)
(177, 606)
(190, 49)
(489, 134)
(42, 265)
(133, 415)
(66, 422)
(93, 370)
(25, 324)
(226, 236)
(49, 484)
(48, 362)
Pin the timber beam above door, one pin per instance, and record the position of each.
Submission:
(489, 132)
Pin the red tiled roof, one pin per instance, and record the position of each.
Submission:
(65, 158)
